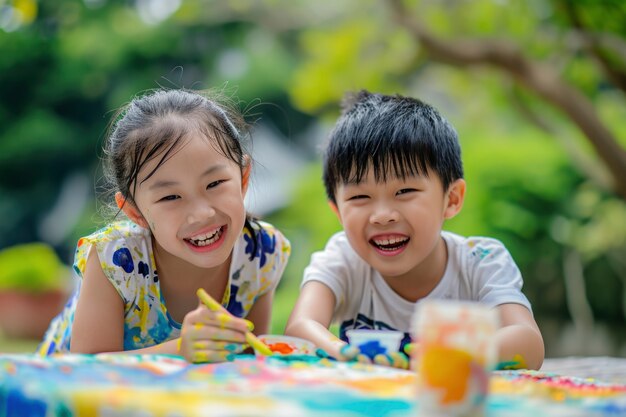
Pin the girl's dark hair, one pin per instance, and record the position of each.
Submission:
(155, 125)
(393, 135)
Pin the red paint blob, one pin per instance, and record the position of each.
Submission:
(281, 347)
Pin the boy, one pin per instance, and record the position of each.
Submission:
(393, 174)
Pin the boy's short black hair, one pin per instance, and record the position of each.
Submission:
(394, 135)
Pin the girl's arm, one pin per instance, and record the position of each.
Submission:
(261, 313)
(519, 335)
(99, 324)
(99, 318)
(311, 317)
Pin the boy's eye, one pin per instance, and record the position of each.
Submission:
(406, 190)
(169, 198)
(357, 197)
(214, 184)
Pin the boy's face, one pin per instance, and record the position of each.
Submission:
(395, 225)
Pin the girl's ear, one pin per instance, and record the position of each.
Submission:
(130, 210)
(245, 173)
(335, 210)
(454, 198)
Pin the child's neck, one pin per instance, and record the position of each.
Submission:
(421, 280)
(179, 281)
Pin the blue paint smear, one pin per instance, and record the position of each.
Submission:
(372, 348)
(328, 403)
(16, 404)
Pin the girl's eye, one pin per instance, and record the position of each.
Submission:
(170, 198)
(214, 184)
(406, 190)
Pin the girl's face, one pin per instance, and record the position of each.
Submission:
(194, 202)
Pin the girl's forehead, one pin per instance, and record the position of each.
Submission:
(182, 155)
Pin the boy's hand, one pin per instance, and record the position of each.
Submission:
(394, 359)
(212, 336)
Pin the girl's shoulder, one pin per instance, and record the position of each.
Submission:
(262, 242)
(265, 234)
(123, 239)
(116, 231)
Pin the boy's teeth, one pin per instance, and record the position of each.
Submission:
(392, 241)
(390, 244)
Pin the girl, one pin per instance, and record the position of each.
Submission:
(175, 158)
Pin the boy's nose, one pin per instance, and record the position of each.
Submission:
(384, 215)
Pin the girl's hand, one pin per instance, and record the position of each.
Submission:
(212, 336)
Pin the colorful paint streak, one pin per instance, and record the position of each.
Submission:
(162, 385)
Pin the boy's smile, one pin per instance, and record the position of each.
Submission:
(390, 244)
(395, 226)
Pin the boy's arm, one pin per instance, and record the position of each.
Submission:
(312, 315)
(519, 335)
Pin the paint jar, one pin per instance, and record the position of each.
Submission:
(454, 355)
(288, 345)
(373, 342)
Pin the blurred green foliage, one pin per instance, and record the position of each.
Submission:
(32, 268)
(67, 65)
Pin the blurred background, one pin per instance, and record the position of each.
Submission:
(534, 87)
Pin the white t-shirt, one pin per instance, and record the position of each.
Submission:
(479, 269)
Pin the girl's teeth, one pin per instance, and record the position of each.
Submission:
(207, 239)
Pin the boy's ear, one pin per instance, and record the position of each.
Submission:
(245, 174)
(335, 210)
(130, 210)
(454, 198)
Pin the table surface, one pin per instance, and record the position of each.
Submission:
(604, 368)
(153, 385)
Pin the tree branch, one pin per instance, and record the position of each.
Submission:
(591, 43)
(541, 79)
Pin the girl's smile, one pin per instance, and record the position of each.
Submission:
(207, 241)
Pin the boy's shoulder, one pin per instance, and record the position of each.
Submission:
(469, 241)
(476, 248)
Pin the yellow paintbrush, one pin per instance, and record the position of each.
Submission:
(252, 340)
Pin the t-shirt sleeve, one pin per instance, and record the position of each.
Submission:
(495, 276)
(331, 267)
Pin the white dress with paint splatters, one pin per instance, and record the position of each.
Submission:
(127, 260)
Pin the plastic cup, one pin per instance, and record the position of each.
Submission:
(374, 342)
(287, 345)
(454, 357)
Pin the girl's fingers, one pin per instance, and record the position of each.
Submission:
(212, 356)
(205, 345)
(201, 331)
(223, 321)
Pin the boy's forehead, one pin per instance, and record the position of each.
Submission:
(369, 174)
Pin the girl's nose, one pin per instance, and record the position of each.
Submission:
(200, 211)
